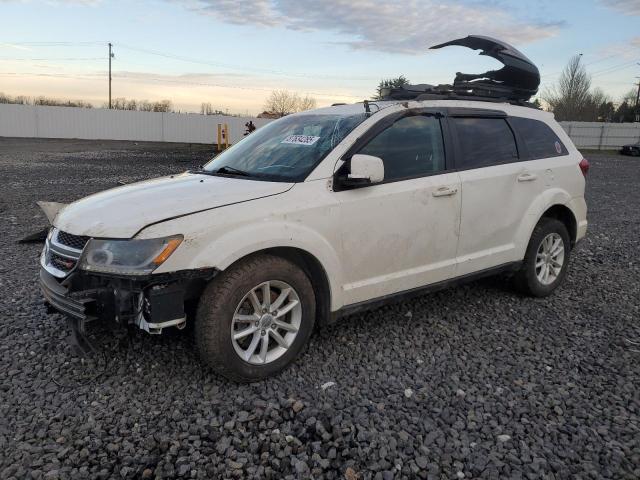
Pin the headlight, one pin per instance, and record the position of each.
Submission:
(128, 257)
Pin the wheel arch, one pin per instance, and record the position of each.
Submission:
(312, 267)
(555, 203)
(566, 216)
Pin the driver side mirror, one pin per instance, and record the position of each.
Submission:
(365, 170)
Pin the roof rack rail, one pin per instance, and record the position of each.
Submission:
(475, 98)
(447, 92)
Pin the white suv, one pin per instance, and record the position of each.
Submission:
(321, 214)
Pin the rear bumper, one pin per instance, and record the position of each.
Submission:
(578, 206)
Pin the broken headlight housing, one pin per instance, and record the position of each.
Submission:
(128, 257)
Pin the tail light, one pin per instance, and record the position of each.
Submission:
(584, 166)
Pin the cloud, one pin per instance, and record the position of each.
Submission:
(58, 2)
(16, 47)
(628, 7)
(252, 12)
(396, 26)
(627, 50)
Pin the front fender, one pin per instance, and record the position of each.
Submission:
(223, 250)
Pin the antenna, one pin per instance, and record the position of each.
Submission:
(366, 107)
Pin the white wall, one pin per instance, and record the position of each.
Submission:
(102, 124)
(602, 136)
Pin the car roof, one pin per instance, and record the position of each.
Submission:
(375, 106)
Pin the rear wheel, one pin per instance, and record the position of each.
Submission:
(255, 318)
(546, 260)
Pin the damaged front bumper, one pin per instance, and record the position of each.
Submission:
(152, 302)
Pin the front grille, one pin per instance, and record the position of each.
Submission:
(59, 298)
(73, 241)
(61, 263)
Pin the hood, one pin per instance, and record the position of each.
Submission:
(123, 211)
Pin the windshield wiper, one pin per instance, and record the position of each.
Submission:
(226, 170)
(233, 171)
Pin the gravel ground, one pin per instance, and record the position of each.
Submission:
(472, 382)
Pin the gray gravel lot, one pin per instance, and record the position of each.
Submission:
(472, 382)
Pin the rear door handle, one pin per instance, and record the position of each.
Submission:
(527, 177)
(445, 191)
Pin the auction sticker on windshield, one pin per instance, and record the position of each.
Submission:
(301, 139)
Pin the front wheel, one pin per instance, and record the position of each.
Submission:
(255, 318)
(546, 260)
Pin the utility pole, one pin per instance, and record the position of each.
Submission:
(636, 113)
(110, 57)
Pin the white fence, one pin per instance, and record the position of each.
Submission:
(602, 136)
(102, 124)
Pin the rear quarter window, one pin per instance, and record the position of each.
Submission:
(539, 139)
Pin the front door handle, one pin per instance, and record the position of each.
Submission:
(527, 177)
(445, 191)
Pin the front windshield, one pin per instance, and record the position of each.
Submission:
(287, 149)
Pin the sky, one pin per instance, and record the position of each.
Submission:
(232, 54)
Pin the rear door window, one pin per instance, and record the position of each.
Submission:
(411, 147)
(484, 142)
(539, 139)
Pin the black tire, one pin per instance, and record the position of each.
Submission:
(218, 304)
(526, 280)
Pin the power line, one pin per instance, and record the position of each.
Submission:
(162, 80)
(186, 59)
(53, 44)
(217, 85)
(614, 68)
(82, 76)
(586, 65)
(65, 59)
(234, 67)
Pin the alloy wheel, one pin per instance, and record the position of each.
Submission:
(549, 259)
(266, 322)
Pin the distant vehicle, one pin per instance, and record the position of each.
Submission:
(631, 149)
(324, 213)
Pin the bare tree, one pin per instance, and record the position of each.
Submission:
(19, 100)
(627, 109)
(306, 103)
(282, 102)
(163, 106)
(571, 98)
(42, 100)
(122, 103)
(206, 108)
(597, 108)
(53, 102)
(145, 106)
